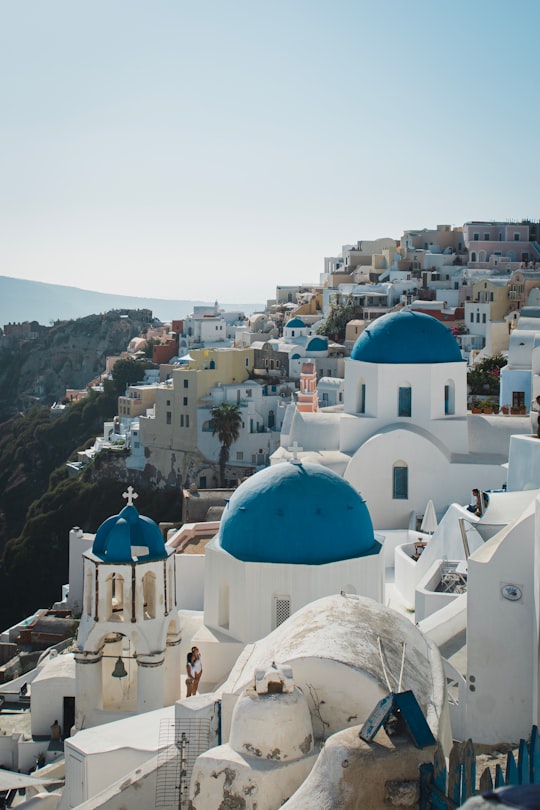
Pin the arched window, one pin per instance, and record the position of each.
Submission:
(115, 596)
(449, 398)
(473, 256)
(149, 595)
(400, 481)
(404, 400)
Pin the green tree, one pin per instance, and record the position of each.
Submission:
(336, 322)
(127, 372)
(227, 422)
(484, 378)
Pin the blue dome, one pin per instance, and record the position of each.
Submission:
(297, 513)
(129, 537)
(317, 344)
(295, 323)
(406, 337)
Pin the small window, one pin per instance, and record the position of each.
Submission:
(186, 383)
(169, 417)
(185, 400)
(516, 237)
(472, 317)
(187, 420)
(181, 420)
(248, 392)
(247, 362)
(362, 404)
(239, 455)
(449, 399)
(168, 403)
(476, 237)
(483, 317)
(281, 610)
(404, 401)
(400, 482)
(487, 237)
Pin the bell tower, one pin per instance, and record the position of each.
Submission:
(127, 661)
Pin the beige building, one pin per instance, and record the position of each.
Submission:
(169, 435)
(138, 399)
(493, 292)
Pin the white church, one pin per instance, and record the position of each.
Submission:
(403, 435)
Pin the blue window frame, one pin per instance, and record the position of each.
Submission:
(404, 401)
(400, 489)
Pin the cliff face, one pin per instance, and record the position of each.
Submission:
(67, 355)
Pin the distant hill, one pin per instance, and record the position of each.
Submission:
(22, 300)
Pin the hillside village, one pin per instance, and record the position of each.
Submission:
(359, 471)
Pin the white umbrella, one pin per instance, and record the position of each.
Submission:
(429, 521)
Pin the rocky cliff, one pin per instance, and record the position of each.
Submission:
(66, 355)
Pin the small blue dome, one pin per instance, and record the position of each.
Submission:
(295, 323)
(406, 337)
(317, 344)
(296, 513)
(119, 536)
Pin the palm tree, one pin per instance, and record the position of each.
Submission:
(227, 422)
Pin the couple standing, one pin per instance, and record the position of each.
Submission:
(194, 671)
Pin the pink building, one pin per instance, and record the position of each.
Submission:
(492, 243)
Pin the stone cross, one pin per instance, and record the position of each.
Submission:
(295, 449)
(130, 495)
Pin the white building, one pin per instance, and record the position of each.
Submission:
(404, 435)
(290, 534)
(127, 659)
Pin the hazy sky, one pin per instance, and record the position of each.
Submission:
(216, 149)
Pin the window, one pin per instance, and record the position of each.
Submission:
(362, 402)
(281, 610)
(476, 237)
(169, 417)
(247, 361)
(224, 606)
(187, 420)
(516, 237)
(182, 420)
(186, 383)
(400, 490)
(239, 455)
(168, 402)
(487, 237)
(185, 400)
(472, 317)
(404, 401)
(449, 398)
(248, 392)
(149, 595)
(483, 317)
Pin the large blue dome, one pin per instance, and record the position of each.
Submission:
(129, 537)
(406, 337)
(298, 513)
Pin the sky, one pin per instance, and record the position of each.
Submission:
(218, 148)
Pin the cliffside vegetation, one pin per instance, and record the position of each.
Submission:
(39, 504)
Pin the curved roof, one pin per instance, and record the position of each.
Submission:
(297, 323)
(297, 513)
(129, 537)
(406, 337)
